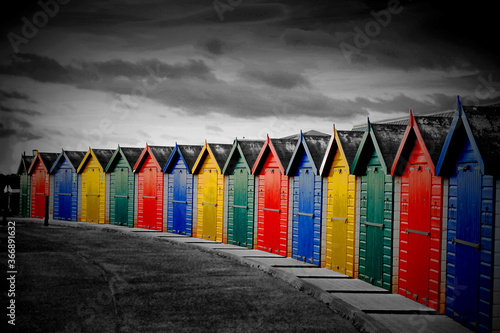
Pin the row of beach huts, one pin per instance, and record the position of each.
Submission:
(409, 205)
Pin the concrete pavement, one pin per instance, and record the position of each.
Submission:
(370, 308)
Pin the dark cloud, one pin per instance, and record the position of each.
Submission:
(5, 95)
(18, 128)
(278, 79)
(28, 112)
(45, 69)
(214, 46)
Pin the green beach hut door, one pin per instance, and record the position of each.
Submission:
(240, 207)
(121, 196)
(374, 225)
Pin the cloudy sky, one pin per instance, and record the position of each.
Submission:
(76, 73)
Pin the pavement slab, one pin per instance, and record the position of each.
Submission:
(414, 323)
(380, 303)
(345, 285)
(313, 272)
(246, 253)
(278, 262)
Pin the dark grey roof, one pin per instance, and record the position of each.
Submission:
(190, 154)
(251, 150)
(388, 139)
(48, 159)
(25, 163)
(350, 141)
(284, 148)
(103, 156)
(434, 131)
(221, 153)
(75, 157)
(161, 154)
(132, 154)
(317, 146)
(310, 132)
(485, 125)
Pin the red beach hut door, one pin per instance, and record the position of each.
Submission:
(419, 232)
(272, 209)
(39, 193)
(149, 198)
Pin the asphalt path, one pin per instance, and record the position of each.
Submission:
(85, 280)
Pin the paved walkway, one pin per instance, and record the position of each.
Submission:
(371, 308)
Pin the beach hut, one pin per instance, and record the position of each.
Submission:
(94, 184)
(41, 185)
(470, 159)
(270, 168)
(241, 191)
(24, 185)
(181, 189)
(420, 251)
(122, 185)
(150, 192)
(307, 188)
(66, 184)
(340, 217)
(372, 166)
(210, 191)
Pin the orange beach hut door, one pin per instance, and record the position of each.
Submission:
(419, 232)
(209, 204)
(92, 195)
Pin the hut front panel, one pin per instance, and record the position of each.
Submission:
(340, 219)
(210, 201)
(470, 243)
(180, 200)
(240, 206)
(272, 234)
(121, 196)
(40, 187)
(93, 201)
(150, 201)
(306, 220)
(65, 193)
(420, 231)
(375, 239)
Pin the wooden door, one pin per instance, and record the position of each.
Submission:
(338, 207)
(121, 196)
(64, 195)
(179, 201)
(419, 223)
(150, 198)
(306, 215)
(93, 200)
(272, 210)
(240, 207)
(209, 204)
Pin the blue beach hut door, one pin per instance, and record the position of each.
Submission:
(466, 284)
(179, 202)
(306, 215)
(65, 194)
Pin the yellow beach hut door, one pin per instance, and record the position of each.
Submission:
(337, 219)
(93, 195)
(209, 204)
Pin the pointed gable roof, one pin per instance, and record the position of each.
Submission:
(481, 124)
(160, 155)
(347, 142)
(25, 163)
(248, 150)
(186, 153)
(74, 158)
(130, 154)
(430, 132)
(383, 138)
(102, 157)
(219, 152)
(281, 148)
(314, 146)
(47, 160)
